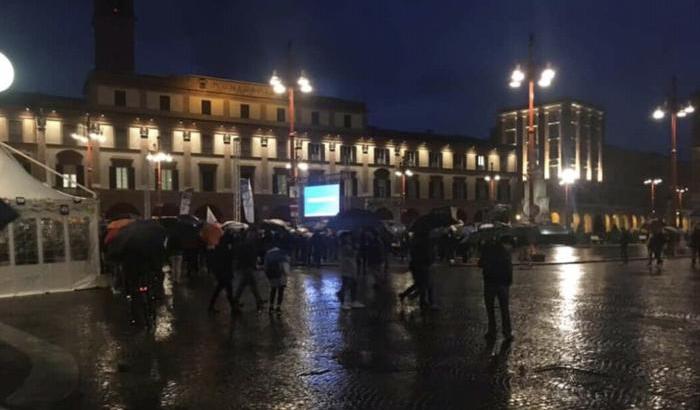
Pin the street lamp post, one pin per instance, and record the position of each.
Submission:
(88, 135)
(403, 172)
(680, 191)
(491, 178)
(158, 157)
(545, 80)
(567, 178)
(674, 108)
(653, 182)
(279, 87)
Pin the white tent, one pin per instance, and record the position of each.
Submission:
(53, 245)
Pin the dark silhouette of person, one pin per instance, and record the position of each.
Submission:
(695, 243)
(497, 270)
(625, 239)
(220, 263)
(247, 257)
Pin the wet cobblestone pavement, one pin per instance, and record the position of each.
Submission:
(587, 336)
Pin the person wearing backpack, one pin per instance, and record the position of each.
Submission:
(276, 264)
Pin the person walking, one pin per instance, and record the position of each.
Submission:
(220, 264)
(497, 271)
(421, 254)
(276, 263)
(695, 243)
(625, 239)
(348, 270)
(247, 256)
(656, 247)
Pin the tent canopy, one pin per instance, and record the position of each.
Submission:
(15, 182)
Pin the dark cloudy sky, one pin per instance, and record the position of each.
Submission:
(418, 64)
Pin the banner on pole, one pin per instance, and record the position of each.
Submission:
(247, 200)
(185, 201)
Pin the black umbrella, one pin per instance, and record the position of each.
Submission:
(7, 214)
(183, 232)
(354, 219)
(437, 218)
(144, 239)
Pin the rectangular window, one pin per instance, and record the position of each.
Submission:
(348, 154)
(281, 148)
(166, 179)
(121, 138)
(503, 193)
(412, 188)
(482, 189)
(435, 159)
(279, 183)
(436, 188)
(459, 162)
(165, 103)
(208, 178)
(410, 158)
(315, 118)
(553, 149)
(245, 111)
(122, 177)
(206, 107)
(381, 156)
(480, 162)
(459, 189)
(207, 144)
(281, 117)
(70, 180)
(347, 121)
(316, 152)
(120, 98)
(246, 148)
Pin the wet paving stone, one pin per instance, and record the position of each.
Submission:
(587, 336)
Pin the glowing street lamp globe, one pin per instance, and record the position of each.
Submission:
(7, 73)
(658, 114)
(568, 177)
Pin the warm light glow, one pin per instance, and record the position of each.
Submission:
(518, 217)
(549, 73)
(658, 114)
(97, 136)
(681, 114)
(398, 173)
(517, 76)
(689, 109)
(78, 137)
(544, 82)
(274, 80)
(303, 166)
(487, 178)
(655, 181)
(159, 157)
(567, 177)
(288, 165)
(514, 84)
(681, 190)
(7, 73)
(497, 177)
(408, 173)
(304, 84)
(279, 88)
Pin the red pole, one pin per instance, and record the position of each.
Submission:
(88, 177)
(674, 157)
(653, 191)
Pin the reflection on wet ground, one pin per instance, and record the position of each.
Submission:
(586, 336)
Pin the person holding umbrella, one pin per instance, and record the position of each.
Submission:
(497, 270)
(348, 269)
(220, 263)
(277, 269)
(247, 256)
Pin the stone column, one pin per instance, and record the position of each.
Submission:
(41, 145)
(186, 161)
(227, 163)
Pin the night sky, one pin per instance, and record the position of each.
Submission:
(417, 66)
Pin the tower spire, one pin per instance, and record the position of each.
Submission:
(113, 23)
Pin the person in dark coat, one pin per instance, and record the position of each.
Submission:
(625, 239)
(695, 243)
(247, 256)
(497, 270)
(220, 264)
(657, 241)
(421, 254)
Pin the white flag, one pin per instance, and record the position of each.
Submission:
(247, 200)
(211, 218)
